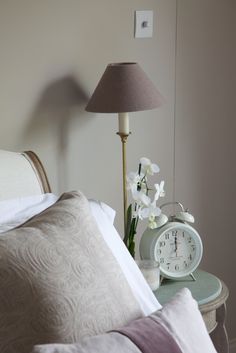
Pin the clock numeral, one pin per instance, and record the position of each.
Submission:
(185, 264)
(190, 257)
(162, 243)
(168, 265)
(177, 267)
(158, 251)
(162, 260)
(174, 233)
(167, 236)
(193, 247)
(183, 234)
(190, 240)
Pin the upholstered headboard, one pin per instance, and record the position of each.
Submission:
(21, 174)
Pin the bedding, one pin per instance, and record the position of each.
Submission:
(138, 284)
(50, 309)
(17, 211)
(177, 328)
(57, 288)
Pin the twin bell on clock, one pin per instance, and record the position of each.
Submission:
(175, 244)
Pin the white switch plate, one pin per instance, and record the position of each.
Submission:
(143, 24)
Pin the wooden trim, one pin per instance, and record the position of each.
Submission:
(38, 167)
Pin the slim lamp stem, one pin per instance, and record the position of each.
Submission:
(123, 138)
(123, 119)
(124, 163)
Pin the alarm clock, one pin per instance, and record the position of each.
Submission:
(175, 244)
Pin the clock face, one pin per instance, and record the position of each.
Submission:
(178, 249)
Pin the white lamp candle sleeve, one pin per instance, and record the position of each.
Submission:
(123, 123)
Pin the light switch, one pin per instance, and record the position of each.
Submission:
(143, 27)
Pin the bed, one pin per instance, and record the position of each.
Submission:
(67, 282)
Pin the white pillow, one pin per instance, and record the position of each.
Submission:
(14, 212)
(183, 320)
(177, 327)
(138, 284)
(17, 211)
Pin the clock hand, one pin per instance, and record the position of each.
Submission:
(176, 245)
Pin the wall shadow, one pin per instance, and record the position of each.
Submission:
(52, 115)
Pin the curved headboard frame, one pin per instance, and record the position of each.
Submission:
(39, 170)
(21, 174)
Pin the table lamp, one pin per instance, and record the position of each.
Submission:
(124, 88)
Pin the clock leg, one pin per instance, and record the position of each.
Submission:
(161, 279)
(219, 335)
(192, 276)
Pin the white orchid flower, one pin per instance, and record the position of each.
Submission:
(148, 167)
(141, 198)
(160, 192)
(150, 212)
(144, 207)
(154, 212)
(152, 224)
(138, 213)
(136, 181)
(133, 180)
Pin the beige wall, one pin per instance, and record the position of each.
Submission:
(52, 56)
(53, 52)
(205, 127)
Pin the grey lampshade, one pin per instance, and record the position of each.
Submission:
(124, 87)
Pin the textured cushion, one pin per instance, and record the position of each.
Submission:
(16, 211)
(177, 328)
(59, 282)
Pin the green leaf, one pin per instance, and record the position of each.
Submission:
(132, 230)
(131, 249)
(131, 239)
(128, 225)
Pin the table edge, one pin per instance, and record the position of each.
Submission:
(217, 302)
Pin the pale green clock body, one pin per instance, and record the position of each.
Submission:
(176, 246)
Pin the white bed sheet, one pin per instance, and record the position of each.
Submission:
(14, 212)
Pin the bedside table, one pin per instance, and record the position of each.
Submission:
(211, 294)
